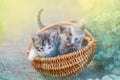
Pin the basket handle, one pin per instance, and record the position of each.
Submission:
(56, 25)
(29, 47)
(89, 34)
(64, 23)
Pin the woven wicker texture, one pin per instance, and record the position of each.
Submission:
(67, 64)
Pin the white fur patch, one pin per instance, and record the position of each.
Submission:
(32, 55)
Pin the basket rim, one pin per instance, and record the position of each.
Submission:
(89, 40)
(64, 23)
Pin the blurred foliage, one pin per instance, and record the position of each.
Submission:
(5, 77)
(105, 26)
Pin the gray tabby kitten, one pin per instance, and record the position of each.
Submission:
(45, 44)
(71, 38)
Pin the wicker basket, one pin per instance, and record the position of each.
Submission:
(67, 64)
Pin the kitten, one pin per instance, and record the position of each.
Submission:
(71, 38)
(45, 44)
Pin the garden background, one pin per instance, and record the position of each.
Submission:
(18, 22)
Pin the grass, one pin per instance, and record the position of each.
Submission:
(2, 75)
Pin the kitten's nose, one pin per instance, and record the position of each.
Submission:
(71, 44)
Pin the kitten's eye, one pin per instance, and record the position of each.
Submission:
(40, 48)
(76, 39)
(49, 47)
(68, 39)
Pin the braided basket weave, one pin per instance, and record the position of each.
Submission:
(67, 64)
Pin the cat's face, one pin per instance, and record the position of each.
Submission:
(77, 38)
(72, 36)
(44, 43)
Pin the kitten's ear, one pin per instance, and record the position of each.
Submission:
(82, 27)
(62, 29)
(54, 35)
(82, 24)
(34, 38)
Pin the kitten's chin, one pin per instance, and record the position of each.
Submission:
(43, 54)
(49, 53)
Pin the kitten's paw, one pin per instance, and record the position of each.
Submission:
(32, 55)
(30, 58)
